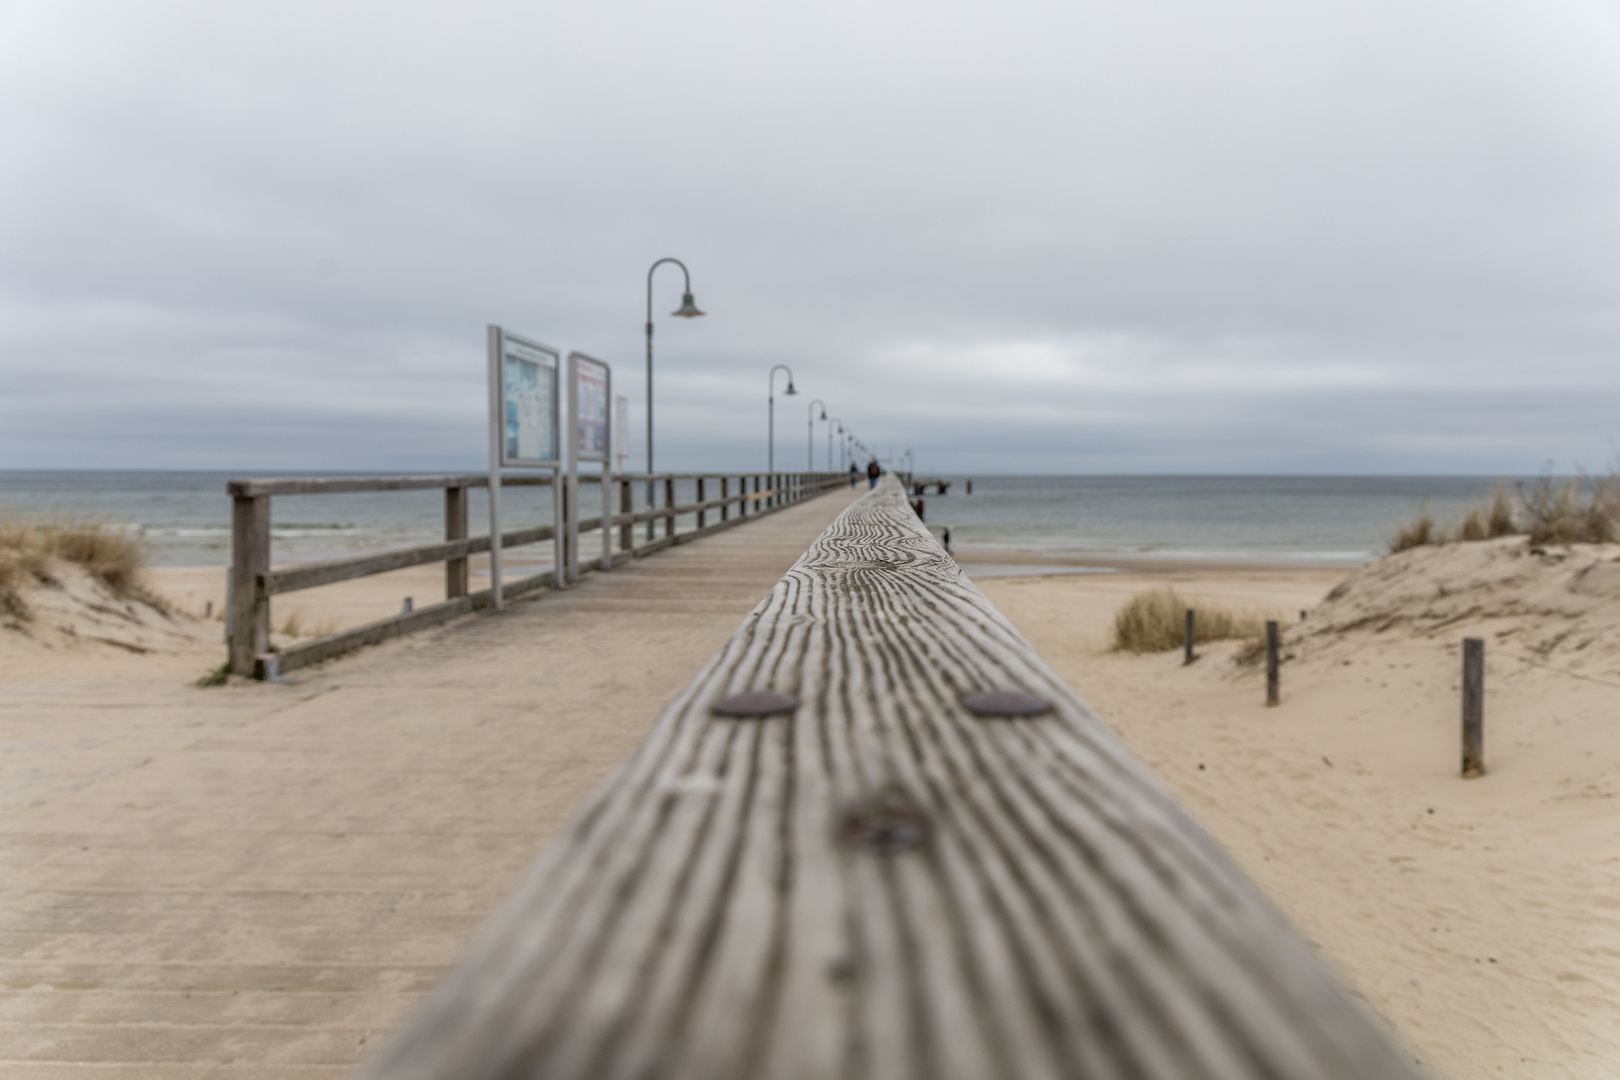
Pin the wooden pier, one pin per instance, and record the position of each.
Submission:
(257, 881)
(255, 580)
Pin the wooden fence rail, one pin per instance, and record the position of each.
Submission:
(931, 861)
(253, 581)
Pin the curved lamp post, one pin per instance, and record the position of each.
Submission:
(840, 424)
(687, 310)
(770, 431)
(810, 440)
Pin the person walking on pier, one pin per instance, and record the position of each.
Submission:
(873, 471)
(854, 474)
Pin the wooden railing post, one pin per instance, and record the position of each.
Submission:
(627, 532)
(455, 528)
(725, 492)
(669, 505)
(250, 561)
(701, 516)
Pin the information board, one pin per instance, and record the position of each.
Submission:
(592, 391)
(525, 377)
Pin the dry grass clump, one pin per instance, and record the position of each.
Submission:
(1574, 512)
(1417, 532)
(28, 549)
(1579, 511)
(1156, 621)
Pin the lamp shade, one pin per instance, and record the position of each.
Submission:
(789, 392)
(688, 309)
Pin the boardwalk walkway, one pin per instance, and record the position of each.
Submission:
(256, 881)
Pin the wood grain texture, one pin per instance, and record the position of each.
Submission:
(880, 884)
(248, 615)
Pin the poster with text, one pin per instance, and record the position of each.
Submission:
(529, 404)
(591, 408)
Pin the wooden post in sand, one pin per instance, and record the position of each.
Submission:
(1191, 622)
(1473, 708)
(1273, 674)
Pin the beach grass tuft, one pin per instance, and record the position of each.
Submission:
(30, 548)
(1573, 512)
(1417, 532)
(217, 677)
(1579, 511)
(1156, 621)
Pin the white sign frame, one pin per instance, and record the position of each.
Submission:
(506, 347)
(602, 417)
(501, 344)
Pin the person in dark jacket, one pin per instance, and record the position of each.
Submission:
(854, 474)
(873, 471)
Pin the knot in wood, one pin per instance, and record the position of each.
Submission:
(753, 703)
(886, 825)
(1005, 703)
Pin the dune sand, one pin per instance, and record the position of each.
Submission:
(83, 629)
(1480, 917)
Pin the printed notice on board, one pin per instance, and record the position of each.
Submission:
(531, 403)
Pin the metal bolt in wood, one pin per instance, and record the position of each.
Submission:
(1005, 703)
(754, 703)
(886, 825)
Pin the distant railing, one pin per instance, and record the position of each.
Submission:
(253, 581)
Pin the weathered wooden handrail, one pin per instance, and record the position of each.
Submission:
(349, 485)
(885, 879)
(253, 581)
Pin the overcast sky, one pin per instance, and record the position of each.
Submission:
(1054, 236)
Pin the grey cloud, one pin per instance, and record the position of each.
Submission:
(1253, 236)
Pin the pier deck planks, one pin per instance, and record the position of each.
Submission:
(257, 881)
(716, 911)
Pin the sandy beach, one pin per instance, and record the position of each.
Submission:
(1480, 918)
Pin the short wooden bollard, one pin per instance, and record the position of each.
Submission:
(1188, 644)
(1273, 673)
(1473, 708)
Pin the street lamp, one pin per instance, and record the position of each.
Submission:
(770, 436)
(840, 423)
(810, 440)
(687, 310)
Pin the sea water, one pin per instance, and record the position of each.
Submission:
(1294, 520)
(184, 517)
